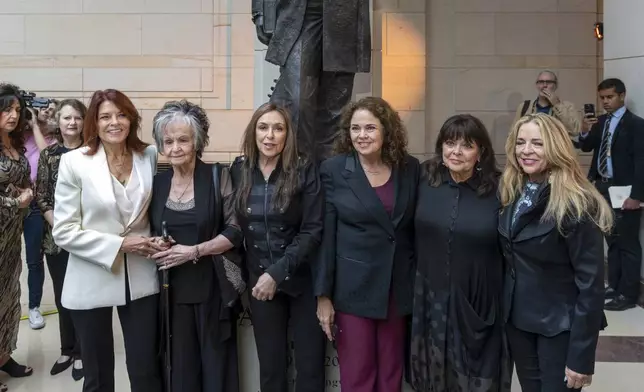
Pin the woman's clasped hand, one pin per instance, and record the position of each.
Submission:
(144, 246)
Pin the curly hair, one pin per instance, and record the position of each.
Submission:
(191, 114)
(394, 146)
(10, 93)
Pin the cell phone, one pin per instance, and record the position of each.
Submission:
(589, 108)
(164, 231)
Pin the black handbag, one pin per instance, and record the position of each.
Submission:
(228, 265)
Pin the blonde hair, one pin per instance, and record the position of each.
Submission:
(571, 194)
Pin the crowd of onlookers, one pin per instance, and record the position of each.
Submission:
(448, 273)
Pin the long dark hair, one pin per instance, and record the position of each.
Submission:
(90, 127)
(472, 130)
(9, 94)
(288, 164)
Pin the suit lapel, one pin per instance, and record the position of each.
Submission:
(401, 186)
(142, 169)
(357, 181)
(161, 191)
(203, 195)
(101, 178)
(620, 125)
(505, 221)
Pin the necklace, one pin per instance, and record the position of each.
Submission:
(184, 190)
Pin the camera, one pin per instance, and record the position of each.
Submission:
(32, 101)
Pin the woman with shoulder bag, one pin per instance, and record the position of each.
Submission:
(198, 214)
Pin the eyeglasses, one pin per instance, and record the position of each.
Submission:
(548, 82)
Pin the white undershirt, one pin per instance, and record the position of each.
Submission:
(127, 196)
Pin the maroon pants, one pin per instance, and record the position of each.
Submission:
(371, 352)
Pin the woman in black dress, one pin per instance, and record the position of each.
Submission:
(457, 339)
(201, 223)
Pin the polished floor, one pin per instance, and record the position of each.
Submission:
(620, 355)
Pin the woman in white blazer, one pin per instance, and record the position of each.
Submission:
(100, 218)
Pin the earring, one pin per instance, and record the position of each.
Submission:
(478, 166)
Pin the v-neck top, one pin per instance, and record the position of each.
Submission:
(126, 195)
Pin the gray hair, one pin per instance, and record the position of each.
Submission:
(192, 115)
(552, 73)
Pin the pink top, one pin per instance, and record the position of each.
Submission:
(33, 153)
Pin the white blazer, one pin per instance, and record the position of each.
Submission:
(87, 224)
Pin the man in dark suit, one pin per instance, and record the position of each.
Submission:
(617, 141)
(319, 46)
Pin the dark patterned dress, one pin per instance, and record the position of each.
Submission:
(457, 339)
(13, 174)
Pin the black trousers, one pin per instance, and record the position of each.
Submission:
(204, 347)
(139, 321)
(69, 344)
(624, 249)
(540, 361)
(271, 321)
(313, 97)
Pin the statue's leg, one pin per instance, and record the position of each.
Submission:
(336, 89)
(297, 86)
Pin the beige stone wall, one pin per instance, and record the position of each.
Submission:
(431, 58)
(484, 55)
(153, 50)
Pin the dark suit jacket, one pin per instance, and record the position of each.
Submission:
(346, 34)
(281, 243)
(627, 152)
(554, 283)
(366, 254)
(191, 282)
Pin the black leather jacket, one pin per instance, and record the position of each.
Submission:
(554, 282)
(281, 243)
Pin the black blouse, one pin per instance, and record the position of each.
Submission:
(459, 242)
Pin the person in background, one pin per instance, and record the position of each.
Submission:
(38, 136)
(279, 204)
(15, 196)
(551, 227)
(365, 276)
(457, 333)
(201, 224)
(616, 140)
(47, 114)
(69, 136)
(548, 102)
(101, 218)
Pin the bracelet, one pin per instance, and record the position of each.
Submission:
(196, 258)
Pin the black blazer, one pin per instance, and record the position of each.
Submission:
(281, 243)
(191, 282)
(627, 152)
(554, 282)
(365, 253)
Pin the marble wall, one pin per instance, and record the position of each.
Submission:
(624, 54)
(431, 58)
(484, 56)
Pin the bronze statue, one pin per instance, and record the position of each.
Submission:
(319, 46)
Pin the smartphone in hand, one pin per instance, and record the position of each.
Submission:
(589, 110)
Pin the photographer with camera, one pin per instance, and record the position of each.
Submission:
(38, 136)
